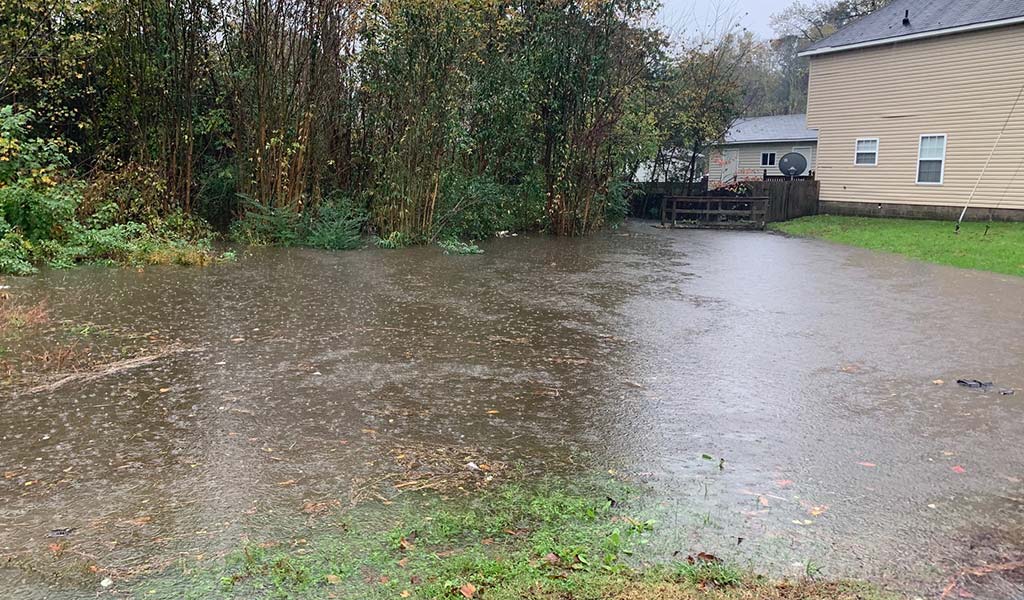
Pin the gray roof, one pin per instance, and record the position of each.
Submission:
(781, 128)
(926, 16)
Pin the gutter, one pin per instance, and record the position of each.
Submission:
(768, 141)
(915, 36)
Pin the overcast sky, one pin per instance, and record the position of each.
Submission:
(694, 15)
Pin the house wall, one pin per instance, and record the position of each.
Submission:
(961, 85)
(750, 160)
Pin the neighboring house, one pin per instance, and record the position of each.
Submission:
(755, 145)
(909, 103)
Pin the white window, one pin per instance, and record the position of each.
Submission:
(866, 154)
(767, 159)
(931, 159)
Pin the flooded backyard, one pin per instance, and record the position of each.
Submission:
(785, 402)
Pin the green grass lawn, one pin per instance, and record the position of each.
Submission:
(997, 247)
(540, 543)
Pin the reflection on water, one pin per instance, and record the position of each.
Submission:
(807, 367)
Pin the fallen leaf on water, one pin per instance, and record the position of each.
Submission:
(867, 464)
(370, 431)
(817, 511)
(468, 590)
(289, 482)
(492, 412)
(56, 548)
(938, 381)
(783, 483)
(164, 390)
(762, 501)
(958, 469)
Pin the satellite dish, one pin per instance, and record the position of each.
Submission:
(793, 164)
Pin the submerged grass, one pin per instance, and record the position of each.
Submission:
(544, 543)
(997, 247)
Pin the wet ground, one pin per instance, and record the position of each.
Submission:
(293, 377)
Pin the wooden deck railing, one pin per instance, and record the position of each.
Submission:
(712, 211)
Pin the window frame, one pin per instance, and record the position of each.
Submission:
(942, 169)
(878, 148)
(773, 156)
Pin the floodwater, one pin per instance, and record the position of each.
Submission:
(810, 368)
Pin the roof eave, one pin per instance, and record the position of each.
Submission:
(915, 36)
(768, 141)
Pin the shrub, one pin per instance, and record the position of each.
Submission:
(262, 225)
(336, 226)
(454, 246)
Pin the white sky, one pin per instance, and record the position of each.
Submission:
(699, 15)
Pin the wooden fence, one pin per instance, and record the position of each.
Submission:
(787, 199)
(718, 212)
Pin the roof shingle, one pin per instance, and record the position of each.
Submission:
(925, 16)
(780, 128)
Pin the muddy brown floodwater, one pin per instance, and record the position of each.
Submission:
(810, 368)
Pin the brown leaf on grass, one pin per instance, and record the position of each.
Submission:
(404, 562)
(415, 580)
(468, 590)
(552, 559)
(405, 593)
(406, 544)
(703, 557)
(333, 579)
(487, 541)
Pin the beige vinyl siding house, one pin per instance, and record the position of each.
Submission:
(755, 145)
(907, 127)
(750, 162)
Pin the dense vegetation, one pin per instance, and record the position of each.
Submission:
(311, 121)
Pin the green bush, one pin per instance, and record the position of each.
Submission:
(14, 251)
(262, 225)
(337, 225)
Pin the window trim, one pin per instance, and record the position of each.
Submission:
(878, 149)
(942, 170)
(772, 155)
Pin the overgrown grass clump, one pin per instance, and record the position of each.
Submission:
(544, 543)
(997, 247)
